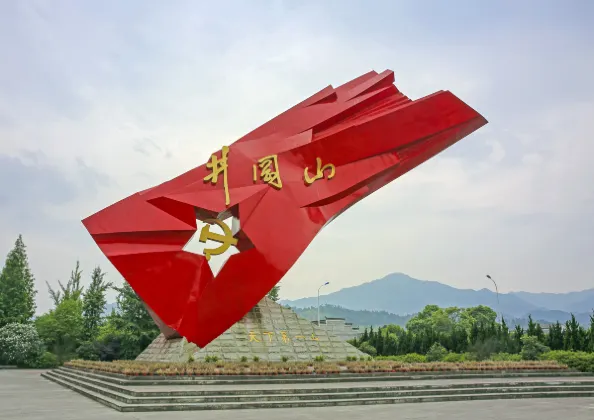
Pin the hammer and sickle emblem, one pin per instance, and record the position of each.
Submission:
(226, 240)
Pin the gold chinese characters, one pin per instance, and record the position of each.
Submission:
(284, 337)
(265, 169)
(269, 171)
(319, 172)
(217, 166)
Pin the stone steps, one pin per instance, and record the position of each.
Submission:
(129, 398)
(301, 379)
(348, 387)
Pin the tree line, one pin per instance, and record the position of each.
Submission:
(474, 330)
(76, 326)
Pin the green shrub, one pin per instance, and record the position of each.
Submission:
(505, 357)
(256, 359)
(88, 351)
(453, 358)
(365, 347)
(319, 358)
(284, 359)
(470, 357)
(47, 361)
(578, 360)
(484, 349)
(243, 359)
(211, 359)
(532, 349)
(405, 358)
(414, 358)
(436, 353)
(20, 345)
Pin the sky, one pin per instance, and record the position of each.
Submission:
(99, 100)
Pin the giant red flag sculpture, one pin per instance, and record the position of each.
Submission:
(281, 183)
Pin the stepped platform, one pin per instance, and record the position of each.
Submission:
(144, 394)
(269, 332)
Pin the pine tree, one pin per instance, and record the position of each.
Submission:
(379, 342)
(572, 337)
(518, 333)
(17, 287)
(94, 304)
(365, 336)
(273, 294)
(591, 333)
(531, 331)
(555, 337)
(539, 333)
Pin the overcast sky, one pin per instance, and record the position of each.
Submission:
(100, 99)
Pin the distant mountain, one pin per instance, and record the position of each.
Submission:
(358, 318)
(403, 295)
(568, 302)
(546, 316)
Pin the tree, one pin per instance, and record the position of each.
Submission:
(17, 287)
(532, 348)
(555, 337)
(365, 347)
(539, 333)
(572, 339)
(480, 313)
(591, 333)
(94, 304)
(273, 294)
(531, 331)
(62, 328)
(365, 336)
(73, 289)
(130, 330)
(436, 353)
(518, 333)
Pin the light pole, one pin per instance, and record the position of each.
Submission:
(325, 284)
(496, 291)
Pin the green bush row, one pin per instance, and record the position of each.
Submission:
(578, 360)
(451, 358)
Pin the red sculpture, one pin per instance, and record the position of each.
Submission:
(283, 182)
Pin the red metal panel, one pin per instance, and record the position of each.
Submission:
(367, 130)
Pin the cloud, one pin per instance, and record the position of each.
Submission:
(100, 101)
(25, 187)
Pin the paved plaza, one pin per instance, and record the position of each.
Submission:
(24, 395)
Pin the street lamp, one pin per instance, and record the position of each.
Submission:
(325, 284)
(496, 291)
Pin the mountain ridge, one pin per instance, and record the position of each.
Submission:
(400, 294)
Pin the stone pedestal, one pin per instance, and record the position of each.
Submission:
(269, 332)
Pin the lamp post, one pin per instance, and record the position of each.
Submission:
(325, 284)
(496, 291)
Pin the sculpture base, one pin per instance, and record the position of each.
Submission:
(269, 332)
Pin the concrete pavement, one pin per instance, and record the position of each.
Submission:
(24, 395)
